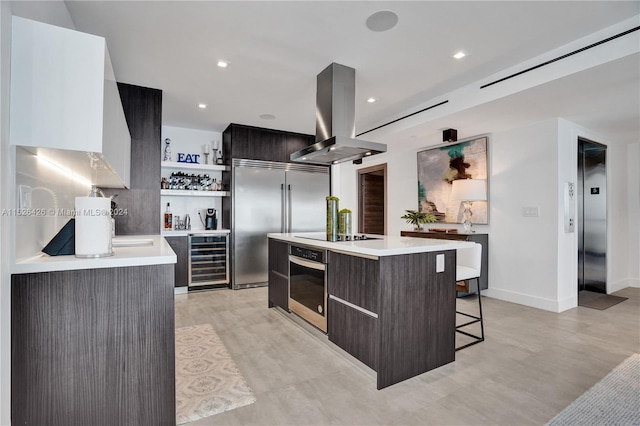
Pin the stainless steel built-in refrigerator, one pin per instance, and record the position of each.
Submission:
(271, 197)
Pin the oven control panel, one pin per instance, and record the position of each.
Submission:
(307, 253)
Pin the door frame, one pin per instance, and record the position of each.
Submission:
(363, 171)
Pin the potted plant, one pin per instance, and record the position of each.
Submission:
(417, 218)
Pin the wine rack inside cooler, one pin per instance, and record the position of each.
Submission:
(208, 260)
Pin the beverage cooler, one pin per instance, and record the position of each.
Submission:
(208, 260)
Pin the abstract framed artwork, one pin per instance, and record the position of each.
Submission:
(438, 167)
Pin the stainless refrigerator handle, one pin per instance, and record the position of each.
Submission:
(283, 210)
(289, 205)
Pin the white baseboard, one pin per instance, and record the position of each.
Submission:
(533, 301)
(619, 285)
(180, 290)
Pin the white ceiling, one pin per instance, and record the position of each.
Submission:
(276, 49)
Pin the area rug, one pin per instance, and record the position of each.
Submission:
(207, 380)
(612, 401)
(601, 301)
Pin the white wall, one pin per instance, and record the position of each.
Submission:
(190, 141)
(567, 167)
(532, 260)
(523, 254)
(618, 213)
(402, 183)
(51, 191)
(6, 239)
(633, 222)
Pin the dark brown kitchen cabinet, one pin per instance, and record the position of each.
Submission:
(278, 274)
(141, 202)
(353, 331)
(93, 347)
(396, 314)
(354, 280)
(256, 143)
(180, 246)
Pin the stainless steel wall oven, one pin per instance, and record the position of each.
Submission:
(308, 284)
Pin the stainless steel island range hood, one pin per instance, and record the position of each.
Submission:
(335, 121)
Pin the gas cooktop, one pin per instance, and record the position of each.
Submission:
(342, 239)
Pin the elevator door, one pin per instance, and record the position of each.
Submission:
(592, 216)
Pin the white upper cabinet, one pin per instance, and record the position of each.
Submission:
(64, 96)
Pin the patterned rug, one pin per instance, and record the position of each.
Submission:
(614, 400)
(207, 380)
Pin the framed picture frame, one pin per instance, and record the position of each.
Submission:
(438, 167)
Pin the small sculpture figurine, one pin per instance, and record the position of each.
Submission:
(167, 150)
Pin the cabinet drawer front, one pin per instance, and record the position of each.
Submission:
(353, 331)
(354, 279)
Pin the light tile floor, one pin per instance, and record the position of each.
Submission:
(532, 364)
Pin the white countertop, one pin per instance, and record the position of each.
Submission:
(159, 252)
(184, 233)
(384, 246)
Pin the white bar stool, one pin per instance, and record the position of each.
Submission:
(468, 267)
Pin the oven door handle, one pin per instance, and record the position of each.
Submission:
(307, 264)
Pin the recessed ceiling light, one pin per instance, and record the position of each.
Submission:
(371, 100)
(383, 20)
(368, 153)
(202, 106)
(267, 116)
(222, 64)
(460, 55)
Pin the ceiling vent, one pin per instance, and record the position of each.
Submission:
(562, 57)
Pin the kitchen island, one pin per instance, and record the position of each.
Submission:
(93, 339)
(390, 301)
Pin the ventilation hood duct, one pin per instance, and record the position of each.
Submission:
(335, 121)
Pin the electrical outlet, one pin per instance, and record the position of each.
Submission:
(440, 263)
(531, 211)
(24, 192)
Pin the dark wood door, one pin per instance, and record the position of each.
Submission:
(372, 197)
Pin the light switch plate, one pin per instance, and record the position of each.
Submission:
(440, 263)
(531, 211)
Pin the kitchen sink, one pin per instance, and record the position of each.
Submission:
(127, 242)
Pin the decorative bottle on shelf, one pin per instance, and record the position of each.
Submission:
(167, 150)
(168, 218)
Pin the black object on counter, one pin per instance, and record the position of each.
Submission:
(64, 243)
(211, 219)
